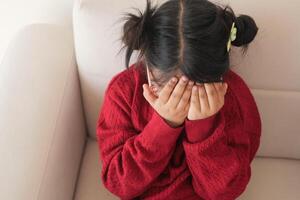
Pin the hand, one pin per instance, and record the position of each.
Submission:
(206, 100)
(172, 105)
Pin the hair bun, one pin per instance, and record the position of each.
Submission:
(246, 30)
(136, 27)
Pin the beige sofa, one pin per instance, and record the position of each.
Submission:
(51, 88)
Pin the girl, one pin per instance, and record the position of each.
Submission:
(194, 138)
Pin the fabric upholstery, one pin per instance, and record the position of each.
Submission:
(274, 179)
(42, 127)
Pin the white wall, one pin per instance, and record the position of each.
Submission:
(16, 13)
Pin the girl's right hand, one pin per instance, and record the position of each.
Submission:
(172, 103)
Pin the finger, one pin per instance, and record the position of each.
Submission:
(218, 86)
(186, 95)
(195, 101)
(203, 98)
(178, 92)
(187, 107)
(149, 96)
(154, 90)
(222, 89)
(166, 91)
(212, 95)
(225, 87)
(219, 89)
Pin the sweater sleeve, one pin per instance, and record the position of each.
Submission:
(219, 149)
(132, 160)
(219, 152)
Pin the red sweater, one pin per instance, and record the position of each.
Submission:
(144, 158)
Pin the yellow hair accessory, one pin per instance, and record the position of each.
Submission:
(232, 37)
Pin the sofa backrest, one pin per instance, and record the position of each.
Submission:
(271, 67)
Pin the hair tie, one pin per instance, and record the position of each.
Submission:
(232, 36)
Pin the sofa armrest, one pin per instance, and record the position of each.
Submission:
(42, 125)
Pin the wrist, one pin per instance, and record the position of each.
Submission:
(203, 119)
(200, 129)
(173, 124)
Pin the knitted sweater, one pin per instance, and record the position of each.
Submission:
(145, 158)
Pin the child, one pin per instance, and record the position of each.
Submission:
(194, 138)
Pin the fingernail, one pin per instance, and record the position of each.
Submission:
(184, 78)
(174, 79)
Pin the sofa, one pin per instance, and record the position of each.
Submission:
(52, 82)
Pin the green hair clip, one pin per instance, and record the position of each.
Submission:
(232, 37)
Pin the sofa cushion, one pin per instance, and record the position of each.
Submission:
(89, 185)
(272, 178)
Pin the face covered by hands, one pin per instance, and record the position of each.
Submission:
(185, 99)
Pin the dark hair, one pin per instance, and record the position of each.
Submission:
(189, 35)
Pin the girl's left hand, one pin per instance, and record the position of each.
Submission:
(206, 100)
